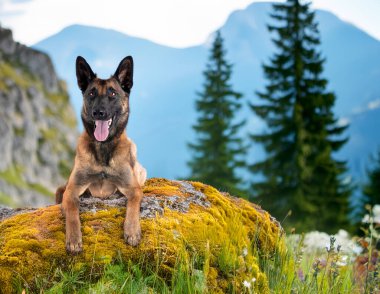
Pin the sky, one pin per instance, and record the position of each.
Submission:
(176, 23)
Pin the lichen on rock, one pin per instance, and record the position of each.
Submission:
(177, 217)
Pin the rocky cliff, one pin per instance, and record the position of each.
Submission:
(216, 240)
(37, 126)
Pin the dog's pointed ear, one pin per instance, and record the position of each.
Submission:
(84, 73)
(124, 73)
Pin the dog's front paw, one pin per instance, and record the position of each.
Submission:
(74, 243)
(132, 233)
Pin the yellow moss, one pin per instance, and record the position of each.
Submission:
(164, 187)
(224, 235)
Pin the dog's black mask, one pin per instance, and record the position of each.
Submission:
(105, 109)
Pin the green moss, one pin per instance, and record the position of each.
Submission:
(61, 112)
(211, 240)
(41, 189)
(58, 98)
(64, 168)
(57, 143)
(20, 132)
(12, 176)
(24, 79)
(49, 134)
(8, 71)
(6, 200)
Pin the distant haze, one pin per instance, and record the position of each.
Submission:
(176, 23)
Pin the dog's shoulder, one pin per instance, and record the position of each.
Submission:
(83, 149)
(132, 148)
(139, 170)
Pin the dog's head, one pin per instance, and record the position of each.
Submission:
(105, 109)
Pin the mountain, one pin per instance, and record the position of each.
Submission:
(37, 126)
(166, 81)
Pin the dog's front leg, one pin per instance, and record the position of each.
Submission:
(70, 210)
(132, 229)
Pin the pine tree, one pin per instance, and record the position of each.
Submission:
(299, 173)
(371, 190)
(218, 149)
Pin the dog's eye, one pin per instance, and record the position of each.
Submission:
(91, 94)
(113, 93)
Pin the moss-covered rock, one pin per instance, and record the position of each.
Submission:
(180, 220)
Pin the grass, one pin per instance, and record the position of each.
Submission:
(292, 272)
(330, 271)
(122, 277)
(295, 272)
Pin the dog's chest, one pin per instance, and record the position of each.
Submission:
(102, 189)
(103, 153)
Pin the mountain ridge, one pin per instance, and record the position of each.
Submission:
(167, 79)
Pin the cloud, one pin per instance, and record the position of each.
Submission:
(20, 1)
(372, 105)
(344, 121)
(12, 8)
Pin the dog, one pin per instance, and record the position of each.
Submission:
(105, 160)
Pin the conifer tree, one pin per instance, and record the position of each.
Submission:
(371, 190)
(299, 173)
(218, 149)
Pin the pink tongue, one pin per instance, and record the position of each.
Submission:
(101, 130)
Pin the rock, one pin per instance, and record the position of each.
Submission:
(37, 126)
(21, 196)
(178, 218)
(36, 62)
(6, 134)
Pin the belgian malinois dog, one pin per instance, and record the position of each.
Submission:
(105, 160)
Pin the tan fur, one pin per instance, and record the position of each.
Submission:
(103, 168)
(134, 178)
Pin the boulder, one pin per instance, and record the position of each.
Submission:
(179, 219)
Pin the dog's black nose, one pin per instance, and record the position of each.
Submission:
(99, 114)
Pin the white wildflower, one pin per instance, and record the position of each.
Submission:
(318, 242)
(247, 284)
(245, 251)
(376, 210)
(375, 218)
(327, 246)
(253, 280)
(340, 264)
(367, 219)
(356, 249)
(342, 261)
